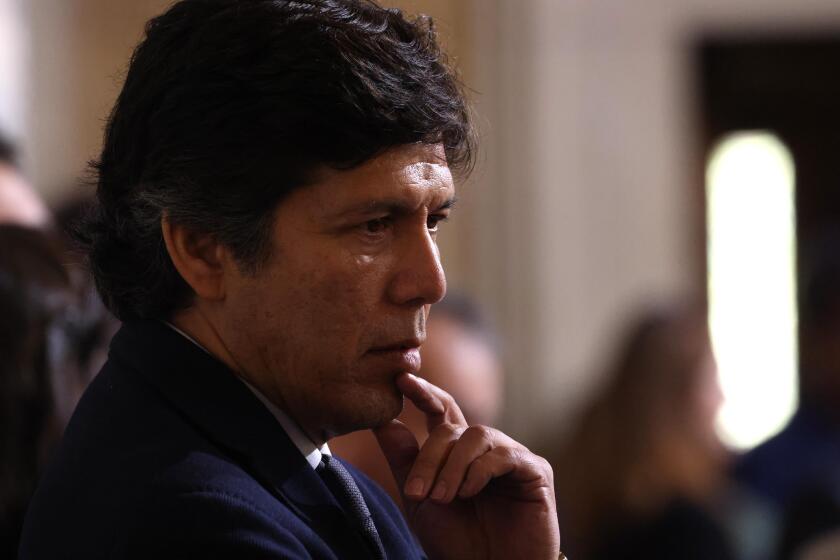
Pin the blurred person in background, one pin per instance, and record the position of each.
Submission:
(806, 453)
(46, 341)
(19, 204)
(461, 356)
(646, 456)
(794, 474)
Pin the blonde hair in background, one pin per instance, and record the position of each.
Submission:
(649, 436)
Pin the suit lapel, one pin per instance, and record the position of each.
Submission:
(211, 398)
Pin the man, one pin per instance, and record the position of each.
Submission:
(272, 181)
(461, 356)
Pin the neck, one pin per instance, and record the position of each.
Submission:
(196, 324)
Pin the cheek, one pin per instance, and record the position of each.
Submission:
(330, 305)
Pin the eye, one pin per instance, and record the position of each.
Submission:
(377, 226)
(434, 220)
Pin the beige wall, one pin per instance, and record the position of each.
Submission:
(13, 67)
(78, 53)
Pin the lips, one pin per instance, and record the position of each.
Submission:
(403, 356)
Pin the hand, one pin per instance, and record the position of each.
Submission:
(471, 491)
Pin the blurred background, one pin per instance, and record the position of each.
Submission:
(631, 153)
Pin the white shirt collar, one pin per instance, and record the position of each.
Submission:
(307, 447)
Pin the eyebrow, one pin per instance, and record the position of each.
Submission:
(394, 206)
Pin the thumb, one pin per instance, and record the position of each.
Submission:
(400, 448)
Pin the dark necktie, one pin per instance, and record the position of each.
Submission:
(344, 488)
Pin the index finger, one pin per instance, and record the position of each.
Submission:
(438, 405)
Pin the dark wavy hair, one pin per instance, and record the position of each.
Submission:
(228, 105)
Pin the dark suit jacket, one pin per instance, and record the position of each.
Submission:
(169, 455)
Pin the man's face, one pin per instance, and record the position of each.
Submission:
(339, 310)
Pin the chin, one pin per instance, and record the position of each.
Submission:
(392, 412)
(369, 410)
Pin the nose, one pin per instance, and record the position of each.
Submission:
(419, 278)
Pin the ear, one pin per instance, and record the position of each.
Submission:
(198, 257)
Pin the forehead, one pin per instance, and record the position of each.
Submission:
(410, 176)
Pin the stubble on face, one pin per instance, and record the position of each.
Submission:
(314, 327)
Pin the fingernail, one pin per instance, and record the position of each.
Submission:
(415, 487)
(439, 491)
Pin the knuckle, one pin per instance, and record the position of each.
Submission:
(545, 466)
(482, 435)
(510, 454)
(541, 467)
